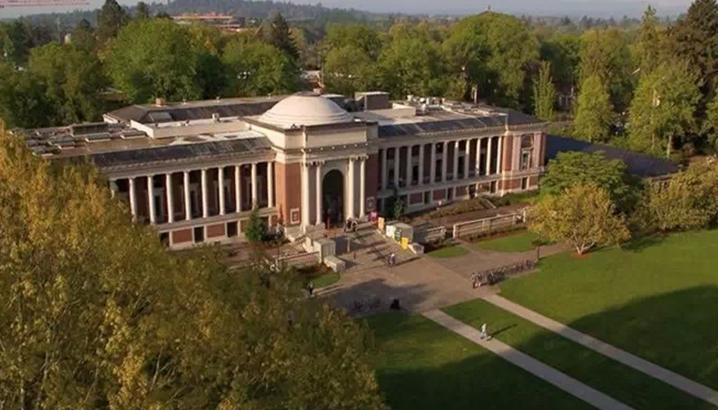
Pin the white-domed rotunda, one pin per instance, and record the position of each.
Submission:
(305, 109)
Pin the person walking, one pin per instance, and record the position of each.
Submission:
(310, 288)
(483, 335)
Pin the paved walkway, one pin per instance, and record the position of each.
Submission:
(674, 379)
(528, 363)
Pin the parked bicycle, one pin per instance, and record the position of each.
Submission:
(492, 276)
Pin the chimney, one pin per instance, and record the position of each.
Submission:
(160, 102)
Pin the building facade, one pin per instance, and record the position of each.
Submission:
(196, 170)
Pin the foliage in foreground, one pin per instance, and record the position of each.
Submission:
(583, 215)
(96, 314)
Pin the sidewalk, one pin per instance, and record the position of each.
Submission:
(528, 363)
(674, 379)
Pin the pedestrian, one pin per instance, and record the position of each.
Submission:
(483, 334)
(310, 288)
(392, 258)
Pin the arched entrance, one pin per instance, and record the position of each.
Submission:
(333, 198)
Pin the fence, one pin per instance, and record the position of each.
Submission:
(487, 226)
(299, 260)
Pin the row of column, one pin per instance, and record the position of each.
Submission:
(349, 186)
(132, 188)
(491, 167)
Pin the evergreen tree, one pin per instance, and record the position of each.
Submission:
(256, 230)
(544, 93)
(110, 19)
(143, 10)
(84, 36)
(696, 40)
(595, 112)
(280, 37)
(650, 43)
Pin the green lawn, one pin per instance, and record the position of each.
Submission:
(422, 366)
(450, 251)
(657, 299)
(618, 381)
(325, 280)
(520, 242)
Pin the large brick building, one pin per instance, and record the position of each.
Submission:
(195, 170)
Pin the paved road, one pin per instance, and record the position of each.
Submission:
(674, 379)
(528, 363)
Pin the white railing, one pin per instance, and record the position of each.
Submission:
(299, 260)
(487, 226)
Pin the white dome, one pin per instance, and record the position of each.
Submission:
(305, 109)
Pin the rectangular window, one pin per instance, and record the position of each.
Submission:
(525, 159)
(165, 238)
(524, 184)
(232, 229)
(493, 187)
(198, 234)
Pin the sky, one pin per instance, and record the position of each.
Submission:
(572, 8)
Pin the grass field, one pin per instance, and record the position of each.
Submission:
(657, 299)
(618, 381)
(450, 251)
(519, 242)
(326, 280)
(422, 366)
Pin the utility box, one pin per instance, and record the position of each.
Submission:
(373, 100)
(404, 231)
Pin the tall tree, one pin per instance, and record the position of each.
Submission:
(544, 93)
(151, 59)
(696, 40)
(563, 51)
(710, 125)
(594, 113)
(73, 79)
(279, 36)
(582, 215)
(650, 43)
(664, 108)
(606, 53)
(83, 37)
(257, 69)
(358, 36)
(207, 43)
(96, 313)
(347, 70)
(110, 19)
(142, 11)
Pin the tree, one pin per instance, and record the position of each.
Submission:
(688, 201)
(710, 125)
(696, 41)
(398, 209)
(256, 230)
(580, 168)
(582, 215)
(256, 69)
(151, 59)
(348, 70)
(22, 99)
(143, 11)
(594, 114)
(650, 45)
(279, 36)
(544, 93)
(207, 43)
(606, 54)
(73, 79)
(664, 107)
(358, 36)
(563, 51)
(110, 19)
(83, 37)
(96, 313)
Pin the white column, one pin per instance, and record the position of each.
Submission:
(255, 200)
(220, 187)
(421, 164)
(270, 184)
(238, 187)
(409, 165)
(362, 187)
(478, 156)
(350, 189)
(151, 199)
(488, 157)
(456, 160)
(444, 157)
(170, 203)
(133, 198)
(432, 165)
(467, 153)
(499, 160)
(305, 194)
(113, 188)
(397, 154)
(205, 195)
(384, 169)
(318, 191)
(187, 198)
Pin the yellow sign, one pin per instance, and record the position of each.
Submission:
(381, 224)
(404, 243)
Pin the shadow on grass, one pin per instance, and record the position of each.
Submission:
(640, 243)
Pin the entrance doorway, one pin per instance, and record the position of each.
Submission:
(333, 198)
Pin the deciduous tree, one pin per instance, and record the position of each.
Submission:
(347, 70)
(256, 69)
(110, 19)
(582, 215)
(544, 93)
(606, 54)
(650, 46)
(594, 113)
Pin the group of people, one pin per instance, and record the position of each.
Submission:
(350, 225)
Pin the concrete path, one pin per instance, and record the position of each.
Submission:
(674, 379)
(528, 363)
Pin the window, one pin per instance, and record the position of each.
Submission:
(198, 234)
(493, 187)
(165, 238)
(524, 184)
(526, 159)
(232, 229)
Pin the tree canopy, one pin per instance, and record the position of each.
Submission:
(594, 114)
(544, 93)
(96, 313)
(256, 69)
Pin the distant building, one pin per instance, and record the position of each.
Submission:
(196, 169)
(225, 22)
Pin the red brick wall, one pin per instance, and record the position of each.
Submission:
(288, 180)
(215, 231)
(439, 194)
(512, 184)
(508, 148)
(542, 150)
(416, 198)
(460, 191)
(182, 236)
